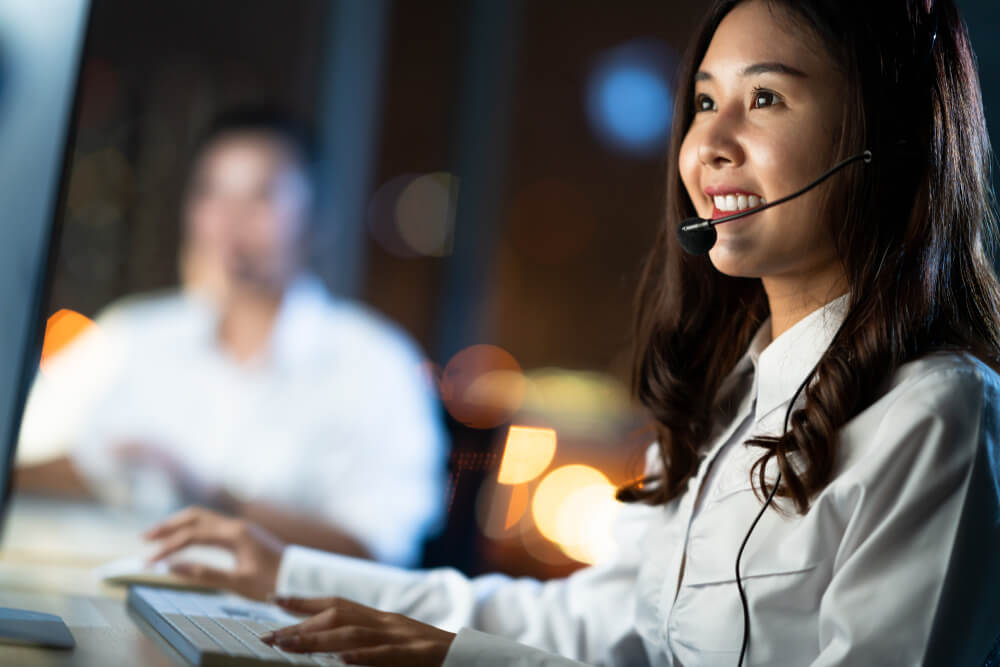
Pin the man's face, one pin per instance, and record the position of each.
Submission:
(246, 212)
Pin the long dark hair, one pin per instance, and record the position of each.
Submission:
(920, 277)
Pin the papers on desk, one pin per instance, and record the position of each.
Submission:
(136, 569)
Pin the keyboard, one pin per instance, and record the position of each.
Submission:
(219, 629)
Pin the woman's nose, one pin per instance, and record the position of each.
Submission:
(719, 146)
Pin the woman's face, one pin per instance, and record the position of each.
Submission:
(768, 105)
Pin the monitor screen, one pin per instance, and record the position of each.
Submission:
(40, 52)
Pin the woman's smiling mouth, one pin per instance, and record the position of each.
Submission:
(727, 201)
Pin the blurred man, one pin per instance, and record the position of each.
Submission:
(252, 390)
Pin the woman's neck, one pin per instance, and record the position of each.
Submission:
(792, 298)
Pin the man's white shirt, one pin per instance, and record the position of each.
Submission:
(855, 581)
(335, 420)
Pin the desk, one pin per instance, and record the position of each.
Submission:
(48, 553)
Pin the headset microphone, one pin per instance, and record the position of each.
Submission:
(698, 235)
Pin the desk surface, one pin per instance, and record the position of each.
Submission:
(48, 554)
(105, 630)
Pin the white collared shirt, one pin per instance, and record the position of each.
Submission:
(855, 581)
(335, 419)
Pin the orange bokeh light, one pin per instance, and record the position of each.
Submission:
(482, 386)
(527, 454)
(574, 507)
(518, 504)
(62, 328)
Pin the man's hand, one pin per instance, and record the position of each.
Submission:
(191, 488)
(360, 635)
(257, 552)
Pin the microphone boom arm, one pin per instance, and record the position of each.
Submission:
(708, 223)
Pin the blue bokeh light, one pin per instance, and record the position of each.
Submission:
(629, 99)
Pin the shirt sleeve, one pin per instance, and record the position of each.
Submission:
(906, 499)
(389, 475)
(472, 648)
(967, 622)
(588, 616)
(65, 395)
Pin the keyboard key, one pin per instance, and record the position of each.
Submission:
(260, 628)
(247, 638)
(195, 635)
(232, 645)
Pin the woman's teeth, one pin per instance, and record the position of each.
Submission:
(737, 202)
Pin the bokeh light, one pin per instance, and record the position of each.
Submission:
(584, 523)
(574, 506)
(413, 215)
(575, 402)
(425, 214)
(500, 507)
(382, 216)
(540, 548)
(483, 386)
(527, 453)
(62, 328)
(629, 99)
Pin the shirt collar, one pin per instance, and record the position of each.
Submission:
(298, 328)
(299, 323)
(783, 365)
(748, 362)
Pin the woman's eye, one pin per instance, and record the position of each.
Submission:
(763, 98)
(703, 102)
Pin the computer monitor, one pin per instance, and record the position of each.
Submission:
(41, 46)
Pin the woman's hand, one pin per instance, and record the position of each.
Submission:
(360, 635)
(257, 552)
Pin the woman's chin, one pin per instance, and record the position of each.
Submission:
(734, 261)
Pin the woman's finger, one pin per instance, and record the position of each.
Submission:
(204, 575)
(177, 541)
(317, 605)
(337, 639)
(326, 620)
(171, 524)
(339, 612)
(303, 605)
(198, 533)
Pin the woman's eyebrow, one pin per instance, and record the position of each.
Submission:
(759, 68)
(775, 67)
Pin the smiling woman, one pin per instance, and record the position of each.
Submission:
(836, 355)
